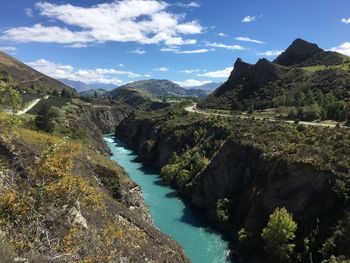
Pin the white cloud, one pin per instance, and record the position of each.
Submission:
(222, 34)
(148, 75)
(346, 20)
(190, 71)
(247, 39)
(178, 51)
(162, 69)
(271, 53)
(343, 48)
(8, 49)
(138, 51)
(224, 73)
(28, 12)
(61, 71)
(192, 83)
(189, 5)
(121, 65)
(229, 47)
(141, 21)
(249, 19)
(77, 45)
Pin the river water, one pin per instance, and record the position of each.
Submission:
(171, 215)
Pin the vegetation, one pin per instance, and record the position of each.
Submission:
(279, 235)
(9, 96)
(45, 119)
(223, 209)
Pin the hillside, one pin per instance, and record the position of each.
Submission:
(164, 88)
(294, 80)
(30, 80)
(146, 94)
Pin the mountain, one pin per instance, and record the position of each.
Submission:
(209, 87)
(164, 88)
(301, 76)
(81, 86)
(147, 94)
(302, 53)
(93, 93)
(29, 79)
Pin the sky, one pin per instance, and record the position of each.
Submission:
(188, 42)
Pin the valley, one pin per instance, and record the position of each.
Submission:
(153, 172)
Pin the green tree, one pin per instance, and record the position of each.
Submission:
(9, 96)
(279, 234)
(45, 118)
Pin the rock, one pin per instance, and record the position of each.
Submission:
(75, 217)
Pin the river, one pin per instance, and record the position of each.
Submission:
(171, 215)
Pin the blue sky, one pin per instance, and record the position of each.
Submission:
(190, 42)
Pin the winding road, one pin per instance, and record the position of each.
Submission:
(193, 109)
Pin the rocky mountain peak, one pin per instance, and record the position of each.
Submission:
(299, 51)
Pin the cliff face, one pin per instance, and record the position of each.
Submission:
(256, 184)
(254, 181)
(96, 120)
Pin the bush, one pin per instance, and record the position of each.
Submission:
(278, 234)
(45, 119)
(223, 209)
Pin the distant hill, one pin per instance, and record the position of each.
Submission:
(164, 88)
(81, 86)
(301, 76)
(28, 79)
(146, 94)
(93, 93)
(209, 87)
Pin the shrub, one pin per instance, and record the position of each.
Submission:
(223, 209)
(278, 235)
(45, 119)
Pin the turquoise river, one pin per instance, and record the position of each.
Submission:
(170, 214)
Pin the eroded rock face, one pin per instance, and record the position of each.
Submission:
(97, 120)
(257, 184)
(254, 181)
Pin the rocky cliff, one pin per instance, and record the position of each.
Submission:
(96, 120)
(257, 166)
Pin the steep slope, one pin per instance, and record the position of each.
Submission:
(30, 80)
(286, 81)
(252, 167)
(63, 201)
(302, 53)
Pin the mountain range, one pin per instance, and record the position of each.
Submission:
(141, 94)
(302, 71)
(81, 86)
